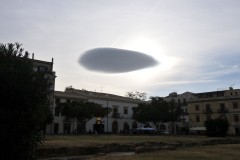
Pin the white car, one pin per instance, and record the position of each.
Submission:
(147, 130)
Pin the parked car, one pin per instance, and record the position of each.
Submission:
(143, 130)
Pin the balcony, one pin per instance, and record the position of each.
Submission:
(208, 111)
(115, 115)
(236, 124)
(222, 110)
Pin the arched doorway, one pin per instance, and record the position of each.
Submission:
(125, 127)
(115, 127)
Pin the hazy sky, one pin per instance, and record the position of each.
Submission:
(196, 42)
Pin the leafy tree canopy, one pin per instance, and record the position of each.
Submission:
(158, 111)
(83, 111)
(137, 95)
(24, 109)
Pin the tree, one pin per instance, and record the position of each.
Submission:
(141, 113)
(24, 108)
(159, 111)
(217, 127)
(83, 111)
(137, 95)
(173, 112)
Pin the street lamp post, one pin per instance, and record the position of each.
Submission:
(107, 115)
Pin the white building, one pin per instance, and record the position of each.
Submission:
(119, 120)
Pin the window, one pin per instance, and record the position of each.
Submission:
(236, 118)
(57, 100)
(57, 111)
(197, 108)
(208, 108)
(222, 106)
(235, 105)
(179, 101)
(115, 110)
(42, 68)
(125, 110)
(197, 118)
(115, 113)
(184, 101)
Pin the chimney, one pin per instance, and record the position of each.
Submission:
(26, 54)
(33, 56)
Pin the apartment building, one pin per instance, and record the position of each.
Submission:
(212, 105)
(119, 120)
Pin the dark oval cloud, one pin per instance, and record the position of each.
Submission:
(113, 60)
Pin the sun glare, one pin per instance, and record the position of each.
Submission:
(156, 50)
(146, 46)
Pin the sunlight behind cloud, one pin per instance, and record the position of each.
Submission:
(153, 48)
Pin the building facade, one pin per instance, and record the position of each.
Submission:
(211, 105)
(119, 120)
(47, 69)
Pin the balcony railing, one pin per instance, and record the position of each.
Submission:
(208, 111)
(115, 115)
(222, 110)
(182, 103)
(236, 124)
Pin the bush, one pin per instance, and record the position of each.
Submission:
(217, 127)
(24, 108)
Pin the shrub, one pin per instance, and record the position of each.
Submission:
(217, 127)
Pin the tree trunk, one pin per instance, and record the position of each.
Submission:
(173, 128)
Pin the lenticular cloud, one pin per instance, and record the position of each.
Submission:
(112, 60)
